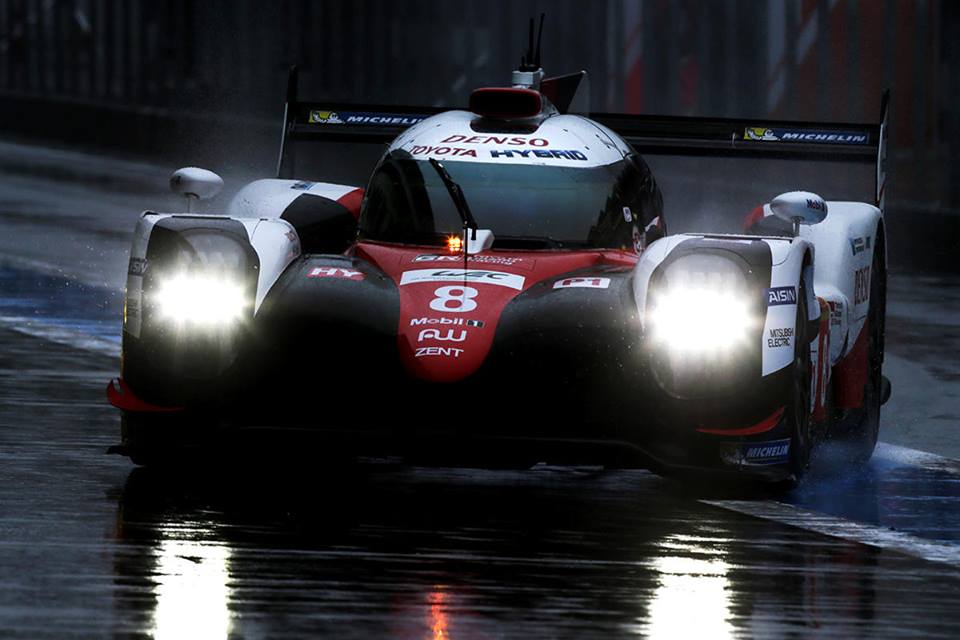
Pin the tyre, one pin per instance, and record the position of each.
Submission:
(798, 405)
(863, 425)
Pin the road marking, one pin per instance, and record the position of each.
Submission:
(61, 335)
(871, 535)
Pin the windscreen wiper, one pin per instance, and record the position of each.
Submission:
(459, 201)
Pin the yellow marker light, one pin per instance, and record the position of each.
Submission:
(454, 244)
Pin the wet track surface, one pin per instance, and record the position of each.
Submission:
(89, 546)
(92, 547)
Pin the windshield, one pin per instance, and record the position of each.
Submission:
(525, 206)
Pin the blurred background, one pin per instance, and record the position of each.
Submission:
(192, 82)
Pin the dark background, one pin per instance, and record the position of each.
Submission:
(197, 82)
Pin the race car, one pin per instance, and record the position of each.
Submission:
(503, 291)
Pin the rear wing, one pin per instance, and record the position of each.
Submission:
(675, 135)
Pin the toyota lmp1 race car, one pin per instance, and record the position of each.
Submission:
(503, 291)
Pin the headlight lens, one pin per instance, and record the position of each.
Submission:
(701, 306)
(206, 300)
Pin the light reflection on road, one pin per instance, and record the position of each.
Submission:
(692, 599)
(192, 589)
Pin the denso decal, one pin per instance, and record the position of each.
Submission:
(509, 140)
(538, 153)
(780, 295)
(335, 272)
(449, 336)
(782, 337)
(473, 276)
(447, 352)
(586, 282)
(766, 134)
(426, 150)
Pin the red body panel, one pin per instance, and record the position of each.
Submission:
(448, 315)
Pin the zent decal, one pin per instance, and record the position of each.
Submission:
(861, 285)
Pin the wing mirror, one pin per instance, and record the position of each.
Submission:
(195, 183)
(799, 207)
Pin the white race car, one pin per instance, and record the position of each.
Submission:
(503, 291)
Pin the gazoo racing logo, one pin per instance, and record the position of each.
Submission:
(780, 295)
(473, 276)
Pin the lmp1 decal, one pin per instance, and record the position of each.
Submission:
(764, 134)
(473, 276)
(780, 295)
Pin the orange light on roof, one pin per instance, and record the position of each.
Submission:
(454, 244)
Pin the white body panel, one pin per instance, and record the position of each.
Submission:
(845, 243)
(787, 261)
(274, 240)
(560, 141)
(269, 198)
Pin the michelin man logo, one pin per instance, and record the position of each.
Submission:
(760, 133)
(324, 117)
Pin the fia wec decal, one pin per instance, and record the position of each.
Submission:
(473, 276)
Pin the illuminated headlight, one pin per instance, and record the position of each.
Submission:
(701, 306)
(207, 300)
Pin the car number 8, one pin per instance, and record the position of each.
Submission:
(455, 299)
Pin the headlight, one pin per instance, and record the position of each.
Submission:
(208, 300)
(700, 305)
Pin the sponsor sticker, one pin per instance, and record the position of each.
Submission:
(506, 261)
(532, 154)
(507, 140)
(137, 267)
(861, 285)
(335, 272)
(770, 452)
(765, 134)
(449, 335)
(303, 185)
(859, 245)
(780, 295)
(367, 118)
(782, 337)
(452, 322)
(473, 276)
(445, 352)
(584, 282)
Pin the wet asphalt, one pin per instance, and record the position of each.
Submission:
(92, 547)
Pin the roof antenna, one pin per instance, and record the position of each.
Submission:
(536, 60)
(529, 74)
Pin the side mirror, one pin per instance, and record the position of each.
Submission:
(799, 207)
(195, 183)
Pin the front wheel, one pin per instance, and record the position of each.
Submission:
(798, 405)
